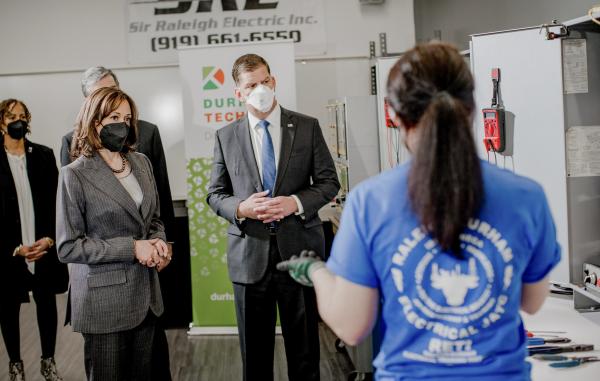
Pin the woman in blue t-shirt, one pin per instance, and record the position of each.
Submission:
(452, 246)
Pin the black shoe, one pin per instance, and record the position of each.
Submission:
(48, 370)
(16, 372)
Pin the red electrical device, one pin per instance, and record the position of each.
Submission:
(493, 120)
(389, 122)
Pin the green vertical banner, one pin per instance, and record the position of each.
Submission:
(209, 103)
(212, 296)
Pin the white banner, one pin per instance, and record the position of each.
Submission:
(157, 28)
(208, 88)
(208, 104)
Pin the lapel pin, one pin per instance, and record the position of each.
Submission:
(30, 149)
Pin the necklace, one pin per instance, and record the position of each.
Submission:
(124, 165)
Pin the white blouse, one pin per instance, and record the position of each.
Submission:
(132, 186)
(18, 167)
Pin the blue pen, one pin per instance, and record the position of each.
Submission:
(576, 361)
(535, 341)
(542, 341)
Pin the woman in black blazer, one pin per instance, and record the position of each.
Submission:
(28, 260)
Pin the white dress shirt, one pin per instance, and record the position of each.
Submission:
(18, 168)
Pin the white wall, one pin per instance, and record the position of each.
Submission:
(52, 42)
(457, 19)
(75, 34)
(63, 34)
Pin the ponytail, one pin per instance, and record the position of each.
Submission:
(431, 90)
(445, 185)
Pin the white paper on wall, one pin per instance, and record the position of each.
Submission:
(583, 151)
(575, 74)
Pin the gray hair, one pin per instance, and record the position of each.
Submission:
(93, 75)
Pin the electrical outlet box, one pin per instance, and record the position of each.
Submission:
(591, 277)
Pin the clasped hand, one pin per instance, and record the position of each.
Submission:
(153, 253)
(267, 209)
(34, 252)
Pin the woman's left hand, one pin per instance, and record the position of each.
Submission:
(38, 250)
(161, 246)
(164, 251)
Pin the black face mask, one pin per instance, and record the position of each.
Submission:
(17, 129)
(113, 136)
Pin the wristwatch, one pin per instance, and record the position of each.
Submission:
(50, 241)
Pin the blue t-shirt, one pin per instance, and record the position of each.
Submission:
(447, 318)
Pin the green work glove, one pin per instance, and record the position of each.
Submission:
(302, 267)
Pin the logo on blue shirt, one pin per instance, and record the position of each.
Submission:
(453, 300)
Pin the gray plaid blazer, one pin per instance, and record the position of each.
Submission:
(96, 223)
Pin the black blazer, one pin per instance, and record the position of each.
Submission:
(15, 279)
(150, 144)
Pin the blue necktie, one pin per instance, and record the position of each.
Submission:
(268, 159)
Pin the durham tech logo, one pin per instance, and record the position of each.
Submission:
(212, 78)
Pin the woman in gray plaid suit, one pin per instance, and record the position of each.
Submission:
(108, 228)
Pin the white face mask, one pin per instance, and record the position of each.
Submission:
(261, 98)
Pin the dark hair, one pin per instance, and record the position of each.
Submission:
(8, 104)
(247, 62)
(96, 107)
(431, 88)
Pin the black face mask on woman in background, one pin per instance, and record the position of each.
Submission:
(17, 129)
(114, 135)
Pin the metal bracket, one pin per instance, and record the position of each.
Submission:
(383, 44)
(563, 31)
(373, 80)
(585, 300)
(372, 49)
(384, 48)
